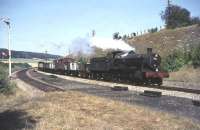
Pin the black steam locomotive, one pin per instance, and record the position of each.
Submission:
(117, 66)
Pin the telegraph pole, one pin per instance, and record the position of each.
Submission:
(168, 3)
(168, 11)
(169, 6)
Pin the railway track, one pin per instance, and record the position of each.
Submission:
(41, 86)
(164, 103)
(187, 90)
(45, 87)
(169, 88)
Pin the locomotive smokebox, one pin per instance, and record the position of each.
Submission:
(149, 51)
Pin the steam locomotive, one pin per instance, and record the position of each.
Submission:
(117, 66)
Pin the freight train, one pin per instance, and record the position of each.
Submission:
(117, 66)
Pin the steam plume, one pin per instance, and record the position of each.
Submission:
(86, 45)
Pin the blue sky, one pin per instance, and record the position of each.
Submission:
(38, 25)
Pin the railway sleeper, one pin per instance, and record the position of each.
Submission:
(119, 88)
(151, 93)
(196, 103)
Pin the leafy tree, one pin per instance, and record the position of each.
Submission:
(116, 35)
(195, 20)
(195, 54)
(153, 30)
(124, 37)
(176, 16)
(133, 34)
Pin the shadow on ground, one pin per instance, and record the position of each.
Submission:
(16, 120)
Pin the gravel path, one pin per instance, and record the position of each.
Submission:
(175, 105)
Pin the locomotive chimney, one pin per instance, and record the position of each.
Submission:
(149, 51)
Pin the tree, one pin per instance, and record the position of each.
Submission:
(153, 30)
(133, 34)
(124, 37)
(195, 20)
(176, 16)
(116, 35)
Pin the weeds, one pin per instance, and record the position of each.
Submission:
(179, 58)
(195, 56)
(6, 87)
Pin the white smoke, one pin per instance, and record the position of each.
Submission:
(86, 45)
(108, 43)
(80, 45)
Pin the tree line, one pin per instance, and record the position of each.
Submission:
(117, 35)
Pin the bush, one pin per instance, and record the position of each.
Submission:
(178, 58)
(174, 61)
(6, 87)
(116, 36)
(195, 56)
(153, 30)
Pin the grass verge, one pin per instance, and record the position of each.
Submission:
(74, 110)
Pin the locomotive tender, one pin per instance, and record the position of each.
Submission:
(118, 66)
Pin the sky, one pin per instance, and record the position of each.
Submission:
(53, 25)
